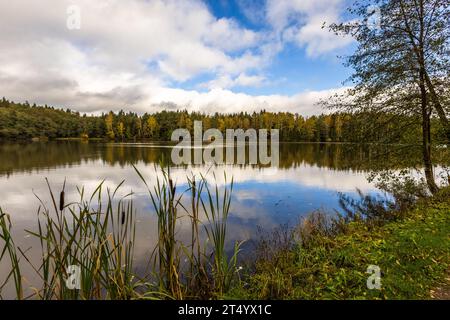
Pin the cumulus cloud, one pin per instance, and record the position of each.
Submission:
(302, 21)
(244, 80)
(133, 54)
(218, 100)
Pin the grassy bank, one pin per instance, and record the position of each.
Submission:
(413, 254)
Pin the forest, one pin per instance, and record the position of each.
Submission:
(22, 121)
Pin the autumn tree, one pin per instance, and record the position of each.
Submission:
(151, 127)
(121, 129)
(401, 65)
(109, 123)
(184, 121)
(138, 127)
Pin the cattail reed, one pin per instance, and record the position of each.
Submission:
(210, 273)
(83, 235)
(101, 242)
(172, 187)
(123, 217)
(61, 197)
(61, 201)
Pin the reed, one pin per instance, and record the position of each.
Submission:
(96, 234)
(201, 282)
(96, 238)
(9, 249)
(166, 256)
(208, 273)
(217, 209)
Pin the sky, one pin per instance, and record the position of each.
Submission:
(149, 55)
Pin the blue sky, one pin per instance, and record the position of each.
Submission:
(291, 70)
(202, 55)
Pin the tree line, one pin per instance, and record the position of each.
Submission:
(25, 121)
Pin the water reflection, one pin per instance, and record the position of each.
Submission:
(31, 157)
(309, 173)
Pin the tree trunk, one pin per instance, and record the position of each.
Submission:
(426, 112)
(426, 151)
(439, 109)
(426, 137)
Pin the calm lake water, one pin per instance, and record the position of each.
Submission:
(308, 177)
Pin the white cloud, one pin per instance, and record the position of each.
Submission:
(126, 33)
(227, 34)
(218, 100)
(243, 80)
(301, 22)
(128, 54)
(246, 80)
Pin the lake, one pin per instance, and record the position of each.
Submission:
(308, 177)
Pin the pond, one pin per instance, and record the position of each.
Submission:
(308, 177)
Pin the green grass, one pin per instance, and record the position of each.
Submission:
(413, 254)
